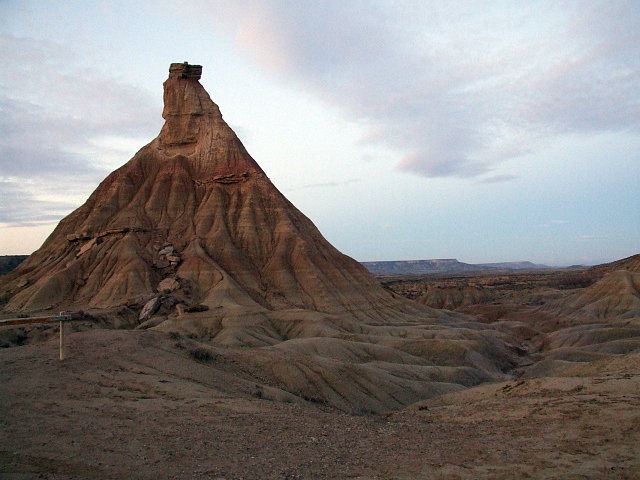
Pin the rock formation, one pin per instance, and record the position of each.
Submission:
(616, 293)
(192, 219)
(191, 204)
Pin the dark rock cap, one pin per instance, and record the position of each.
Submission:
(184, 70)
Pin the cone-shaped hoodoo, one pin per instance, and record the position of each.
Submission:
(195, 207)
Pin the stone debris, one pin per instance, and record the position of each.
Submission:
(161, 263)
(169, 284)
(168, 257)
(174, 259)
(87, 246)
(150, 308)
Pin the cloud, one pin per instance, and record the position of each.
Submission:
(498, 179)
(326, 184)
(19, 207)
(456, 88)
(590, 238)
(54, 118)
(554, 223)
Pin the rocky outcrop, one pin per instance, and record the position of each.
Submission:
(168, 285)
(184, 70)
(150, 308)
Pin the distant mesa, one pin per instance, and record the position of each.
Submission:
(442, 266)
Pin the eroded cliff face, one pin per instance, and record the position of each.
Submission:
(235, 240)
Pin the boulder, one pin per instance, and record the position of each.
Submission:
(169, 284)
(161, 263)
(87, 246)
(149, 308)
(74, 237)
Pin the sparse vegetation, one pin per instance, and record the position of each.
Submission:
(258, 392)
(196, 308)
(202, 354)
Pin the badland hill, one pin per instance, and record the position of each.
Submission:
(141, 403)
(217, 334)
(194, 207)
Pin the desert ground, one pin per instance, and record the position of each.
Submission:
(142, 403)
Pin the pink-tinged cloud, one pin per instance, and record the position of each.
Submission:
(456, 88)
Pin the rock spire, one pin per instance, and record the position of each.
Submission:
(195, 207)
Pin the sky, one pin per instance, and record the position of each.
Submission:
(482, 131)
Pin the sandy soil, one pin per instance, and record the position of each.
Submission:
(135, 404)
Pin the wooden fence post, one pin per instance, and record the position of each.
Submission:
(61, 340)
(24, 320)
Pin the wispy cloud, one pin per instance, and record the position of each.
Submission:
(554, 223)
(591, 238)
(497, 179)
(326, 184)
(51, 113)
(19, 207)
(456, 88)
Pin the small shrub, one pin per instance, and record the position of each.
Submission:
(196, 308)
(201, 354)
